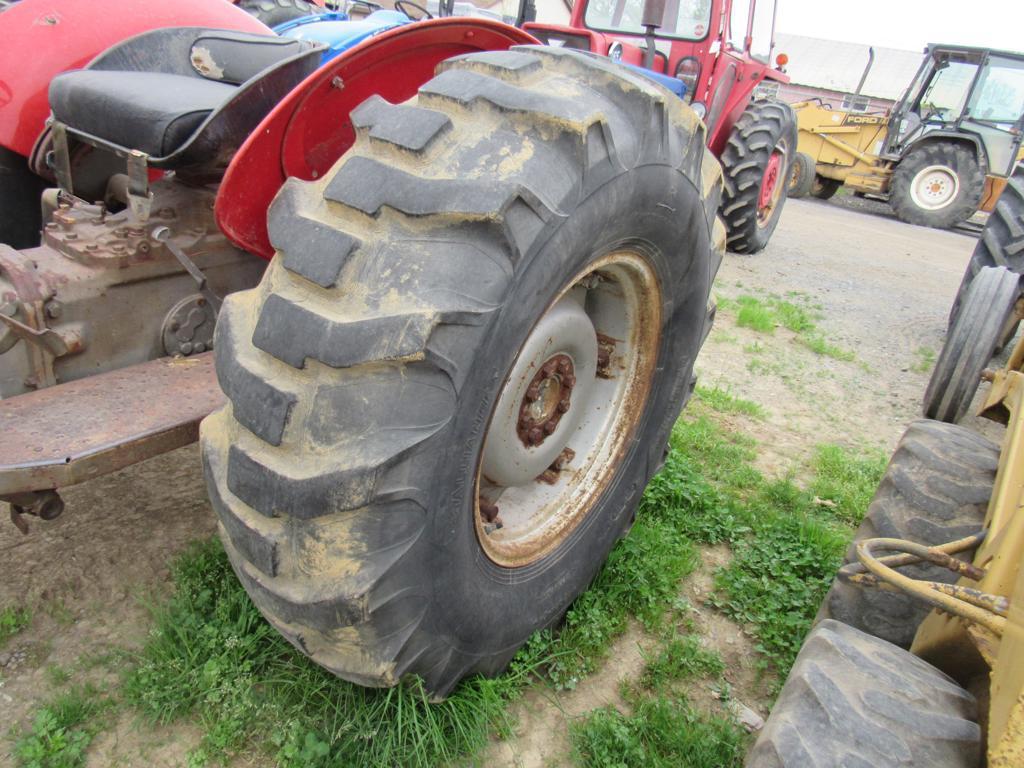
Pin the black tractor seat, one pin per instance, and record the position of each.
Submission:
(185, 97)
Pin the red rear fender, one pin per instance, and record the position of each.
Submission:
(310, 129)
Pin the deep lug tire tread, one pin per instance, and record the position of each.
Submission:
(855, 700)
(935, 489)
(744, 160)
(343, 374)
(274, 12)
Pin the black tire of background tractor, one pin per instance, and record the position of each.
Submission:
(971, 343)
(274, 12)
(824, 189)
(855, 700)
(1002, 241)
(760, 129)
(20, 208)
(955, 157)
(935, 489)
(801, 175)
(362, 371)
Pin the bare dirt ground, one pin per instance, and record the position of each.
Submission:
(882, 289)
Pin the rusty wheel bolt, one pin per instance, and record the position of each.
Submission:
(532, 393)
(535, 436)
(549, 427)
(563, 406)
(569, 380)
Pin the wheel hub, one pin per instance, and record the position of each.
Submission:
(934, 187)
(547, 398)
(567, 409)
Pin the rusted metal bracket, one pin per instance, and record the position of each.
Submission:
(54, 343)
(140, 196)
(69, 433)
(163, 235)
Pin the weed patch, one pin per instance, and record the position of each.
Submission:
(61, 731)
(658, 734)
(924, 360)
(680, 658)
(724, 401)
(764, 315)
(13, 619)
(847, 479)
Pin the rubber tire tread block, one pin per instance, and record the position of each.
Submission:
(961, 161)
(349, 367)
(274, 12)
(971, 343)
(744, 160)
(855, 701)
(935, 489)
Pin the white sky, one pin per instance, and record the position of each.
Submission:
(907, 24)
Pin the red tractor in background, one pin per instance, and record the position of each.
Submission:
(720, 50)
(454, 283)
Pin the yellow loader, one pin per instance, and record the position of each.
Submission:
(917, 654)
(942, 153)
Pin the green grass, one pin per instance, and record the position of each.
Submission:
(924, 360)
(13, 619)
(660, 733)
(766, 314)
(680, 658)
(724, 401)
(847, 479)
(786, 545)
(212, 656)
(61, 730)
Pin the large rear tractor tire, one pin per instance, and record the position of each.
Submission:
(20, 208)
(274, 12)
(980, 327)
(801, 175)
(463, 365)
(1002, 241)
(937, 185)
(936, 489)
(854, 700)
(756, 163)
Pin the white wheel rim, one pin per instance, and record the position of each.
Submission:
(934, 187)
(617, 298)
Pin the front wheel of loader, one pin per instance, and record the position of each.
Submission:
(937, 185)
(463, 365)
(855, 701)
(988, 310)
(756, 163)
(935, 490)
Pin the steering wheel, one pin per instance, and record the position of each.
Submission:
(401, 4)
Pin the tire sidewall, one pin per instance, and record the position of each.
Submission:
(478, 606)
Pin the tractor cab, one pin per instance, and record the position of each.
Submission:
(973, 94)
(718, 49)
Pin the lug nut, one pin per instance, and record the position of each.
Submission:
(535, 436)
(563, 406)
(549, 427)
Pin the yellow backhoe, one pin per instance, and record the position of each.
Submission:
(942, 153)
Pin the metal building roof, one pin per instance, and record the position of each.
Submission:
(838, 66)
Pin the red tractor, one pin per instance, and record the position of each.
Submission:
(720, 51)
(454, 284)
